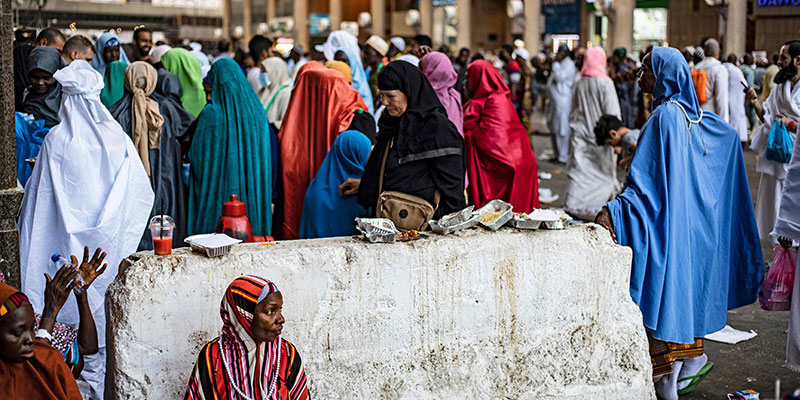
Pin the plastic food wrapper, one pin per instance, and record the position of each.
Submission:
(743, 395)
(377, 230)
(212, 244)
(495, 214)
(454, 222)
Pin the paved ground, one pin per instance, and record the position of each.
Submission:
(754, 364)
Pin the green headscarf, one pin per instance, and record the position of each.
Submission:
(114, 83)
(182, 63)
(230, 154)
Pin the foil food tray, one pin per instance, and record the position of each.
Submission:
(456, 221)
(551, 219)
(523, 221)
(498, 206)
(377, 230)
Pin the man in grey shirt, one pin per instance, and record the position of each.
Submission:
(609, 131)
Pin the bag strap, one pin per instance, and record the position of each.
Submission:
(274, 97)
(383, 165)
(437, 196)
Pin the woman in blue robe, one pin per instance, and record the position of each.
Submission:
(687, 213)
(325, 212)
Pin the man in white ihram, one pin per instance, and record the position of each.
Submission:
(88, 188)
(717, 82)
(559, 97)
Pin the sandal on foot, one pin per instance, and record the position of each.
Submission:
(695, 379)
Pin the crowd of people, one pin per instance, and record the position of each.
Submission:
(311, 140)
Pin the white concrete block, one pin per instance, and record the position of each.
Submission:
(510, 314)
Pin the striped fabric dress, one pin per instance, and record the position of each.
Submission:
(234, 366)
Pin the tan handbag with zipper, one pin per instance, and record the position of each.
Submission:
(408, 212)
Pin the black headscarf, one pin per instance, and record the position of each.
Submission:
(165, 162)
(423, 131)
(44, 105)
(21, 54)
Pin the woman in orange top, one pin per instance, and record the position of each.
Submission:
(323, 105)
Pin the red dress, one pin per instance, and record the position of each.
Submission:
(322, 105)
(500, 160)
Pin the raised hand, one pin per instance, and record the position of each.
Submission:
(89, 268)
(57, 289)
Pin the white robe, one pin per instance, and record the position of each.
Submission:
(88, 188)
(783, 100)
(788, 225)
(559, 90)
(738, 116)
(716, 87)
(591, 169)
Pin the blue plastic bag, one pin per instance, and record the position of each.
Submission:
(779, 143)
(29, 137)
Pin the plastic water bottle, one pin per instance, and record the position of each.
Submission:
(59, 261)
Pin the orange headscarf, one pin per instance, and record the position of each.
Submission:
(321, 107)
(45, 376)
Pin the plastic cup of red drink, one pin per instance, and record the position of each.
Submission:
(162, 228)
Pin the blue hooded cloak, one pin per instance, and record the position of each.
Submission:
(360, 82)
(325, 212)
(105, 40)
(687, 213)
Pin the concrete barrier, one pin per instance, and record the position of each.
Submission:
(507, 314)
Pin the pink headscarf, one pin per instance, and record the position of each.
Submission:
(439, 70)
(594, 62)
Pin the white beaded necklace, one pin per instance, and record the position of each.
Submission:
(705, 151)
(230, 377)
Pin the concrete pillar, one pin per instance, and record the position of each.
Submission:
(301, 22)
(10, 192)
(271, 10)
(464, 17)
(736, 29)
(533, 12)
(621, 26)
(378, 10)
(426, 17)
(226, 19)
(335, 12)
(248, 19)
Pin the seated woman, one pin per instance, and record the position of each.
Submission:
(423, 151)
(325, 212)
(249, 356)
(322, 106)
(43, 98)
(500, 160)
(73, 344)
(31, 368)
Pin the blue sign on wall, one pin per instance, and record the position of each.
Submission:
(563, 16)
(776, 3)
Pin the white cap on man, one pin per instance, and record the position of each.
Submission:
(378, 44)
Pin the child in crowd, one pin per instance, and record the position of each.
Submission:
(609, 131)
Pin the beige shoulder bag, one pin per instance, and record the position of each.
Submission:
(406, 211)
